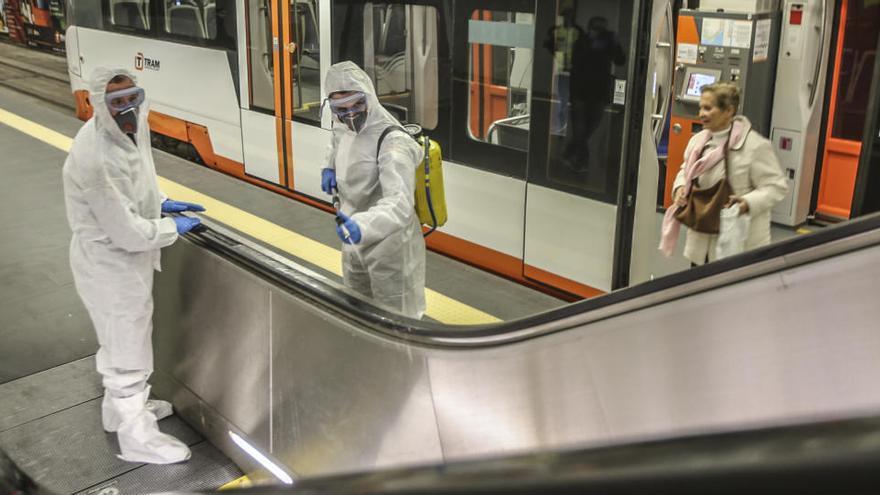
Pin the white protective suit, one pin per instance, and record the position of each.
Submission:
(388, 265)
(114, 210)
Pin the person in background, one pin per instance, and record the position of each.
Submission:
(114, 209)
(383, 252)
(754, 172)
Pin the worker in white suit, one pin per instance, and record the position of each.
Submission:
(114, 209)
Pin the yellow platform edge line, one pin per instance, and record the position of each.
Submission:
(439, 306)
(35, 130)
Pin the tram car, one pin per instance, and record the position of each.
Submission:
(550, 153)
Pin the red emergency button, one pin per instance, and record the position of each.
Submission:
(796, 15)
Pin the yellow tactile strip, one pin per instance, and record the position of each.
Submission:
(440, 307)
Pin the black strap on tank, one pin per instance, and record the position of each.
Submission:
(382, 138)
(427, 175)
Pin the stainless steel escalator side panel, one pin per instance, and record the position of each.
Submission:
(797, 346)
(344, 399)
(741, 349)
(211, 336)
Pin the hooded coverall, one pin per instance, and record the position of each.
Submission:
(388, 264)
(114, 210)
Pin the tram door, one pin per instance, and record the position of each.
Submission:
(551, 91)
(645, 262)
(850, 88)
(262, 110)
(866, 198)
(590, 107)
(283, 84)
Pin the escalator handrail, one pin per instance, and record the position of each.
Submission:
(831, 241)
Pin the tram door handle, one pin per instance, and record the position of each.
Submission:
(664, 44)
(656, 117)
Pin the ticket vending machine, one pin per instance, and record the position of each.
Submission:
(735, 47)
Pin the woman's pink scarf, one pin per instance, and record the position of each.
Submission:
(694, 168)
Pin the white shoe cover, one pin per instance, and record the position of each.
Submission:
(110, 418)
(139, 437)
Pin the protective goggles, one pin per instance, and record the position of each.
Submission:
(119, 101)
(351, 104)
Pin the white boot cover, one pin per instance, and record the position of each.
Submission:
(139, 437)
(110, 418)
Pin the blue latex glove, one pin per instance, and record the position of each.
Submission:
(328, 180)
(171, 206)
(185, 224)
(354, 232)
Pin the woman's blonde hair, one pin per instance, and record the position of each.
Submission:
(726, 95)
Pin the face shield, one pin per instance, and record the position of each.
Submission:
(351, 110)
(124, 105)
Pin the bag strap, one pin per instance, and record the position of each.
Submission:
(387, 131)
(725, 158)
(728, 147)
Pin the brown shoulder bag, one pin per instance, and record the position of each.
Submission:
(703, 210)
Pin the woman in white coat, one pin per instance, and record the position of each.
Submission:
(754, 171)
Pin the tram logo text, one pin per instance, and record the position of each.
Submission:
(141, 62)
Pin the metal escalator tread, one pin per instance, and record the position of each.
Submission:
(69, 451)
(47, 392)
(208, 469)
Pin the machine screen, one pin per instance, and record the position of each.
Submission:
(696, 83)
(694, 80)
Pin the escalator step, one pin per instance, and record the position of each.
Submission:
(208, 469)
(41, 394)
(69, 451)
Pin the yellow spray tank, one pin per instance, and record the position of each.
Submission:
(430, 197)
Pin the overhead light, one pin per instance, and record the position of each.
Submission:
(262, 459)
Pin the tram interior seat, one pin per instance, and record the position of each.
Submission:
(129, 13)
(185, 19)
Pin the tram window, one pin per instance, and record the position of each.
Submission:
(86, 13)
(589, 43)
(306, 60)
(262, 64)
(500, 74)
(130, 14)
(191, 19)
(398, 50)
